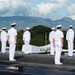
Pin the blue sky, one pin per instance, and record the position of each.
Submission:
(53, 9)
(37, 2)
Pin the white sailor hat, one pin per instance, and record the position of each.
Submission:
(4, 28)
(27, 28)
(12, 24)
(71, 26)
(59, 26)
(53, 28)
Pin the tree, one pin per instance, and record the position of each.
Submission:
(38, 35)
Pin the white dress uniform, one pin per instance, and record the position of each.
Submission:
(3, 41)
(58, 45)
(51, 36)
(70, 40)
(11, 34)
(26, 39)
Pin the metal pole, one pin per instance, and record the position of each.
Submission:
(45, 38)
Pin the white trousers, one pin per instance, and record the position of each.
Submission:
(58, 50)
(3, 46)
(70, 48)
(27, 47)
(12, 51)
(52, 49)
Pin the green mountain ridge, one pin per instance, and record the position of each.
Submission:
(26, 21)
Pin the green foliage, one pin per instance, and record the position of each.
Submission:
(41, 29)
(19, 40)
(65, 41)
(37, 42)
(38, 35)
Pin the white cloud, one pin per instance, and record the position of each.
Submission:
(44, 9)
(23, 7)
(47, 8)
(71, 10)
(56, 1)
(18, 7)
(14, 7)
(73, 17)
(4, 7)
(17, 3)
(63, 1)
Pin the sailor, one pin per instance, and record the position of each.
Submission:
(26, 39)
(51, 35)
(70, 40)
(58, 43)
(3, 40)
(12, 39)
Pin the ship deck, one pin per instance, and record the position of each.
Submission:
(38, 60)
